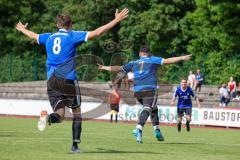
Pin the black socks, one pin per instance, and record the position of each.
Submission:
(54, 118)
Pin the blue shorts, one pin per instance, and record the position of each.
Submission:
(181, 111)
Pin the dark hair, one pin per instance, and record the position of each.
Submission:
(146, 50)
(64, 21)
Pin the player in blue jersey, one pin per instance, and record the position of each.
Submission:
(62, 85)
(145, 86)
(184, 105)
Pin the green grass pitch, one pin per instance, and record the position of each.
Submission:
(20, 140)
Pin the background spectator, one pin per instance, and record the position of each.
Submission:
(199, 80)
(232, 87)
(191, 79)
(224, 96)
(237, 98)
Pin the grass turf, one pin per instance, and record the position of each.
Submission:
(20, 140)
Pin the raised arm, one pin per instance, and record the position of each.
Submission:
(110, 68)
(176, 59)
(23, 28)
(118, 18)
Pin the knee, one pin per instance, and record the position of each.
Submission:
(179, 119)
(188, 118)
(147, 109)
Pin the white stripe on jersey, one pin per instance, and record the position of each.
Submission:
(86, 38)
(174, 93)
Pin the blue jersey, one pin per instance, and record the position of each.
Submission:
(184, 97)
(199, 77)
(144, 70)
(61, 52)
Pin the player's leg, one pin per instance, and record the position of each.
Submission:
(155, 123)
(116, 117)
(58, 103)
(77, 119)
(76, 129)
(111, 115)
(180, 115)
(116, 113)
(147, 101)
(188, 112)
(138, 131)
(155, 118)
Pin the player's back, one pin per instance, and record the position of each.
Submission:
(61, 51)
(61, 46)
(144, 70)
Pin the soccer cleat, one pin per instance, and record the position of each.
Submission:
(179, 127)
(159, 135)
(188, 127)
(138, 135)
(42, 122)
(75, 149)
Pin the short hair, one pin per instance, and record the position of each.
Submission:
(64, 21)
(146, 50)
(183, 79)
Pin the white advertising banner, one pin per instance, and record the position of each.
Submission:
(167, 114)
(220, 117)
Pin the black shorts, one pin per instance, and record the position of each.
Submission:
(63, 92)
(114, 107)
(181, 111)
(148, 98)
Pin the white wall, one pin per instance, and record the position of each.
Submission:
(167, 114)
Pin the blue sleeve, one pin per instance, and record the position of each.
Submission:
(128, 67)
(79, 36)
(157, 60)
(42, 38)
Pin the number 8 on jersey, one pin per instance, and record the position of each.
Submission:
(57, 46)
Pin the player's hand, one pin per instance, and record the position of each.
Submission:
(172, 103)
(187, 57)
(100, 67)
(119, 16)
(21, 26)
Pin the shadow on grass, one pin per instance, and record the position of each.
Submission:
(182, 143)
(6, 135)
(111, 151)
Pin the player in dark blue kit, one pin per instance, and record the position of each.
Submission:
(62, 85)
(145, 86)
(184, 105)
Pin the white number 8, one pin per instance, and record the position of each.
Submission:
(57, 46)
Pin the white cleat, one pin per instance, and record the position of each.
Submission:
(43, 120)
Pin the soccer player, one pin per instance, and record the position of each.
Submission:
(184, 94)
(62, 85)
(145, 86)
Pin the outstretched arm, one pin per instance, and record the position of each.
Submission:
(23, 28)
(110, 68)
(176, 59)
(120, 75)
(118, 18)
